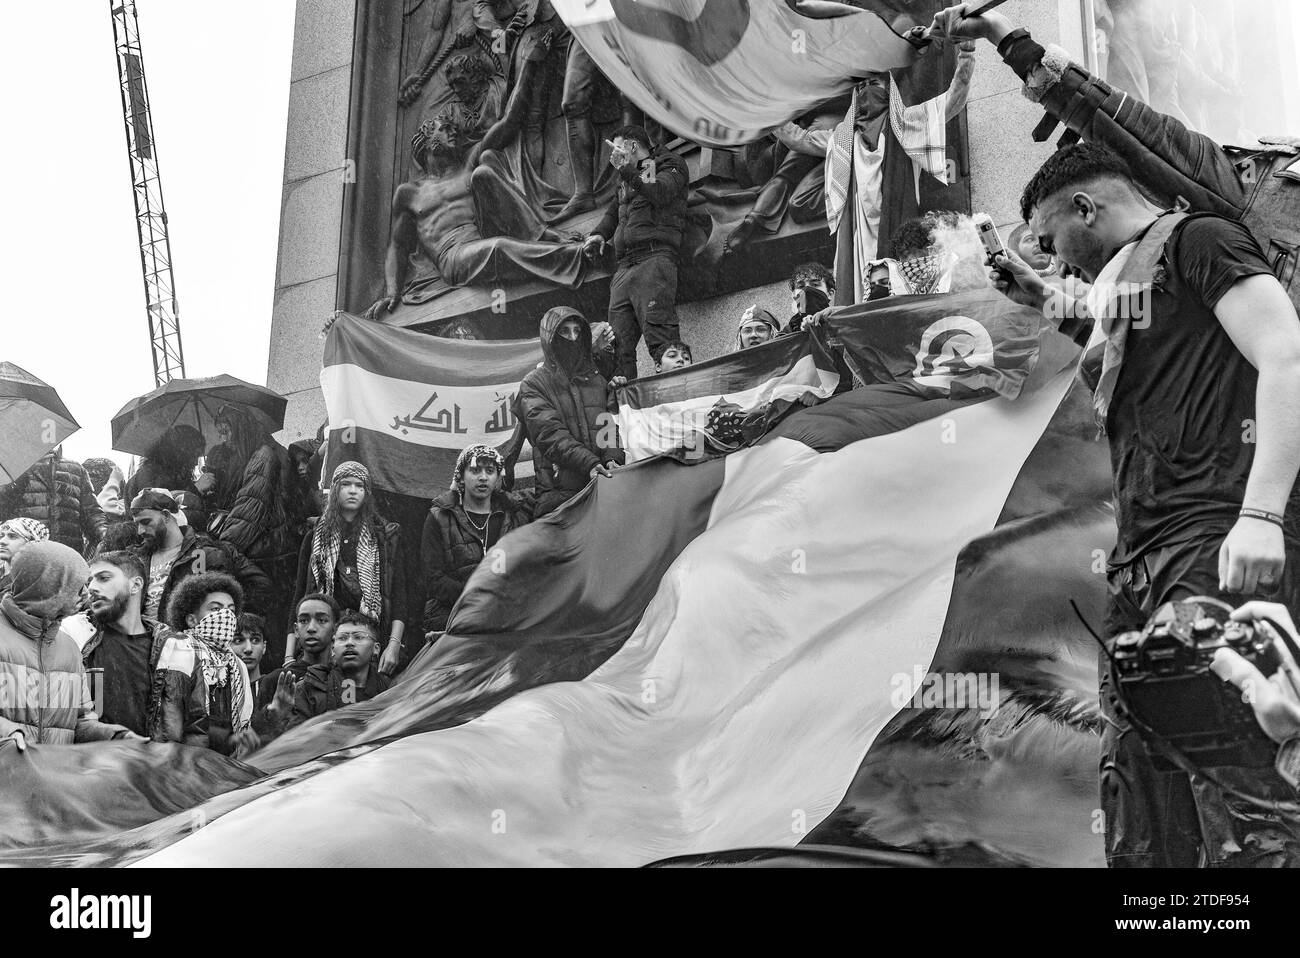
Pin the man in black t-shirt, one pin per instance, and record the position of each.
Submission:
(123, 646)
(1199, 395)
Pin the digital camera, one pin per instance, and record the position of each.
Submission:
(1163, 678)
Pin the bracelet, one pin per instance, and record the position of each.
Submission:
(1267, 516)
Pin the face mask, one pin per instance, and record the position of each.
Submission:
(568, 353)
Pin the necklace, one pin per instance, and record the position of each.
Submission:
(482, 527)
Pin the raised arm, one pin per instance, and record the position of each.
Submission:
(1166, 156)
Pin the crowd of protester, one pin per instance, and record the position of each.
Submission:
(218, 598)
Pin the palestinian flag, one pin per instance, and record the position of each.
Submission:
(407, 403)
(722, 72)
(753, 652)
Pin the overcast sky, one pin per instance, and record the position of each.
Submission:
(218, 79)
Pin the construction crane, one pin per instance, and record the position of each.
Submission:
(146, 188)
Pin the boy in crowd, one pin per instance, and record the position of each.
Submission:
(314, 624)
(675, 355)
(820, 285)
(352, 677)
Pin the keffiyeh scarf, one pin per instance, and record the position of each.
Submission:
(211, 640)
(325, 548)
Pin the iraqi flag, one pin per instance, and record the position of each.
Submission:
(699, 661)
(721, 72)
(407, 403)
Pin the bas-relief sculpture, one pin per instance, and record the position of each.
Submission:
(507, 119)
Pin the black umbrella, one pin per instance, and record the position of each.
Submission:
(33, 420)
(192, 402)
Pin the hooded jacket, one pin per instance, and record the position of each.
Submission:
(452, 548)
(57, 492)
(47, 696)
(567, 412)
(648, 212)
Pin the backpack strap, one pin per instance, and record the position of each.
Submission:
(1142, 262)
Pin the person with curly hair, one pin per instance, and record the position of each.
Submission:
(201, 694)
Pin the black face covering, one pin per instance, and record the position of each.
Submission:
(568, 353)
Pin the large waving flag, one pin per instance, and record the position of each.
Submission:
(720, 72)
(406, 403)
(688, 660)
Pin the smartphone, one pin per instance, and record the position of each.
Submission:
(811, 300)
(989, 237)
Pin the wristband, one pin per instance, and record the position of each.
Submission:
(1267, 516)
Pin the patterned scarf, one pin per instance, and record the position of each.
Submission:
(29, 529)
(211, 640)
(325, 549)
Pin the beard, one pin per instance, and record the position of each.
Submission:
(116, 609)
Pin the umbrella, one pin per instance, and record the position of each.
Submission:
(33, 420)
(192, 402)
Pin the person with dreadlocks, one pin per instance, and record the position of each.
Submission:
(353, 554)
(245, 487)
(463, 526)
(15, 535)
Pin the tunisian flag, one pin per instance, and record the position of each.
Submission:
(720, 72)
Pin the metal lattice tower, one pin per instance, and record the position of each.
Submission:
(150, 215)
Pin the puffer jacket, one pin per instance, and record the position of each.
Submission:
(46, 695)
(452, 548)
(57, 492)
(259, 523)
(200, 554)
(648, 212)
(569, 419)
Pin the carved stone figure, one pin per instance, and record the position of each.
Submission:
(463, 220)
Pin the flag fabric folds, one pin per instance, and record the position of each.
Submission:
(721, 72)
(714, 407)
(406, 403)
(682, 661)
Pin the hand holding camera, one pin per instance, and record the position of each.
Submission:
(1275, 699)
